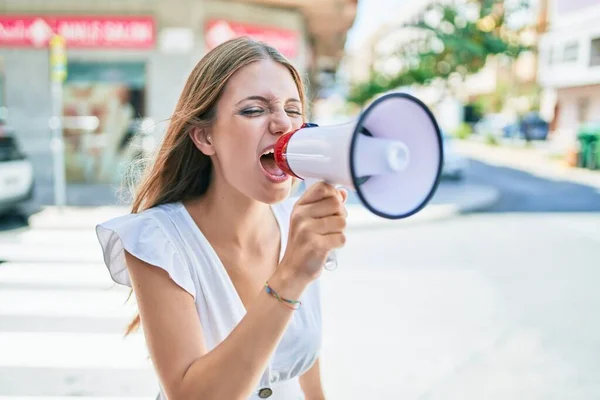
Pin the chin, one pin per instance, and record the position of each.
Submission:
(275, 195)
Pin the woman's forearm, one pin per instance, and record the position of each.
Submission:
(233, 368)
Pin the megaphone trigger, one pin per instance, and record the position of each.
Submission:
(331, 262)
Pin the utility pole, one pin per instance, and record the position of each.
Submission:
(58, 74)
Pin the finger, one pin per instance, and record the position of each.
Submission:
(325, 208)
(334, 240)
(344, 194)
(318, 191)
(329, 225)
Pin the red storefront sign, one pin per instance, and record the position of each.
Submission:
(219, 31)
(90, 32)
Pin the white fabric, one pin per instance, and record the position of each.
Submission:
(167, 237)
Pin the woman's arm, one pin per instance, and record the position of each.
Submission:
(311, 383)
(173, 332)
(233, 369)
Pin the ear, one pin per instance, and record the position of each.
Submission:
(203, 141)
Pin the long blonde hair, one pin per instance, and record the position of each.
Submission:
(180, 171)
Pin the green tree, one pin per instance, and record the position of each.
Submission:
(452, 40)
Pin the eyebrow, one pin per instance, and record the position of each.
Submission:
(264, 99)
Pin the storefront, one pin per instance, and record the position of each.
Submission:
(569, 70)
(127, 64)
(103, 95)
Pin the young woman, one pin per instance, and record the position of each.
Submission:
(224, 268)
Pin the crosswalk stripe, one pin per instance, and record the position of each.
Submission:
(59, 236)
(79, 274)
(75, 253)
(51, 245)
(72, 303)
(75, 398)
(73, 350)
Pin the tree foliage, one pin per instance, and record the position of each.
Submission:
(451, 39)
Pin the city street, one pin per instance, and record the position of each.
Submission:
(491, 291)
(498, 304)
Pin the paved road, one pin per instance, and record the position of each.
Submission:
(491, 306)
(494, 306)
(523, 192)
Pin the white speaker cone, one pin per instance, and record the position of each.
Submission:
(406, 127)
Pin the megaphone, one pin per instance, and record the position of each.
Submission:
(391, 156)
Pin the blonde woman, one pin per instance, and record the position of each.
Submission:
(224, 268)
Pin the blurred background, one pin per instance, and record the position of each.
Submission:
(490, 292)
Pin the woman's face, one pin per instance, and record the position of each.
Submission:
(259, 104)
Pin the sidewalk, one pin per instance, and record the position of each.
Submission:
(535, 160)
(450, 199)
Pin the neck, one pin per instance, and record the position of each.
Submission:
(229, 216)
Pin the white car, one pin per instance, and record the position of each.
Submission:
(455, 165)
(16, 174)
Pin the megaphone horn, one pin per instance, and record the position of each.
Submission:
(391, 156)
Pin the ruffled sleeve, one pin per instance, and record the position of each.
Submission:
(144, 237)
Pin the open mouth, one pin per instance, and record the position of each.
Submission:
(267, 161)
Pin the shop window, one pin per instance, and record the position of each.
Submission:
(595, 52)
(112, 96)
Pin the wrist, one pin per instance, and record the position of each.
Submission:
(288, 283)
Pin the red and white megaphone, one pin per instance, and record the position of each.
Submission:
(391, 156)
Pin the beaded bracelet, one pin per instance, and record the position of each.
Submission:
(293, 304)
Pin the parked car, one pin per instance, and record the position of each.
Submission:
(16, 173)
(530, 127)
(492, 125)
(455, 165)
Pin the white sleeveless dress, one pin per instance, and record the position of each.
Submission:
(167, 237)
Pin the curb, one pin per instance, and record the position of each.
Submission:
(530, 161)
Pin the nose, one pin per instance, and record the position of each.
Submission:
(280, 123)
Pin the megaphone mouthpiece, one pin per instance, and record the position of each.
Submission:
(377, 156)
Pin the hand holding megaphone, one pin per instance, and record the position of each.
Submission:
(317, 226)
(391, 156)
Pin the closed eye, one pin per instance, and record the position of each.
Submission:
(294, 112)
(252, 111)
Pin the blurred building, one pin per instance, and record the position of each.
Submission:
(128, 61)
(381, 53)
(569, 66)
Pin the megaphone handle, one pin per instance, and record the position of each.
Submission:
(331, 261)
